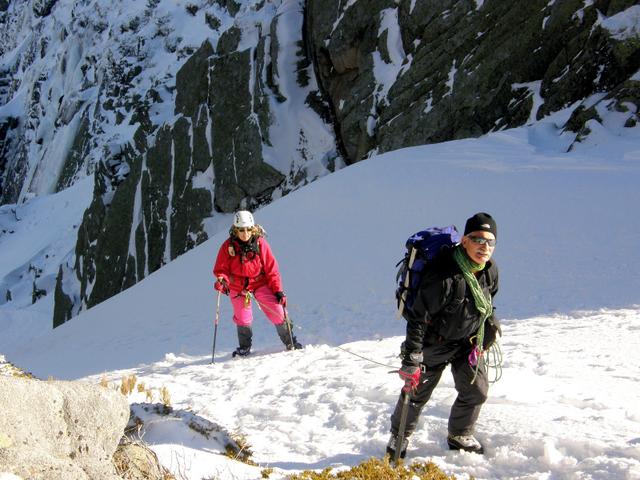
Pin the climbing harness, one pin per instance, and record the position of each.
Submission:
(476, 351)
(492, 357)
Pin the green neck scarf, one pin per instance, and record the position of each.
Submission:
(483, 303)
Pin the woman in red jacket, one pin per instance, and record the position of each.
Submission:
(246, 270)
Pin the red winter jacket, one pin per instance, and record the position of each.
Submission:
(245, 269)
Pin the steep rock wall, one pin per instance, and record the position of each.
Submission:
(421, 71)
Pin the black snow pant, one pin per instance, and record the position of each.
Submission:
(245, 335)
(466, 408)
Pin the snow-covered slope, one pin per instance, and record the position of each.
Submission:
(568, 235)
(561, 410)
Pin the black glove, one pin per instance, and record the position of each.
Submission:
(282, 298)
(492, 331)
(409, 359)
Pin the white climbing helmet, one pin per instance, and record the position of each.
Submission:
(243, 218)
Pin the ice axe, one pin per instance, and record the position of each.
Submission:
(402, 426)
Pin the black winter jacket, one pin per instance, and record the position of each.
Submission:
(444, 309)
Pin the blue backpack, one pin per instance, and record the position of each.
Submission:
(422, 248)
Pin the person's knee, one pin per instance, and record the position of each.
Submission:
(479, 394)
(242, 321)
(276, 315)
(242, 315)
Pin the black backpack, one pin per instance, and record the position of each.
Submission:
(422, 248)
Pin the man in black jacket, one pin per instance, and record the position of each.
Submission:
(444, 327)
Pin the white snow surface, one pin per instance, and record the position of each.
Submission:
(624, 25)
(567, 404)
(387, 73)
(35, 238)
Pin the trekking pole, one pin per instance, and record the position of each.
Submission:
(401, 427)
(288, 322)
(215, 329)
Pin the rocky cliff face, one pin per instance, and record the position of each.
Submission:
(181, 112)
(409, 72)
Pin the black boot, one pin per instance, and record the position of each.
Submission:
(244, 339)
(393, 442)
(468, 443)
(286, 337)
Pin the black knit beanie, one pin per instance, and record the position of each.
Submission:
(482, 222)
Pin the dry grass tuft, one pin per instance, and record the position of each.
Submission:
(378, 469)
(206, 429)
(135, 460)
(241, 450)
(10, 370)
(128, 384)
(165, 397)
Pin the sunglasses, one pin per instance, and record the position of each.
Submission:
(483, 241)
(243, 229)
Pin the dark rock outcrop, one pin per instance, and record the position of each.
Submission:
(9, 141)
(458, 70)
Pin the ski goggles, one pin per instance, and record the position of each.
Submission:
(491, 242)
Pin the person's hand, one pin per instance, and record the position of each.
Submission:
(411, 377)
(413, 358)
(492, 333)
(222, 286)
(282, 298)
